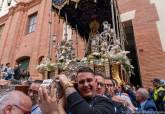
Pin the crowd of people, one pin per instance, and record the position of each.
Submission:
(14, 74)
(90, 93)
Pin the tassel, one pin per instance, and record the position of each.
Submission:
(67, 2)
(59, 12)
(58, 19)
(76, 5)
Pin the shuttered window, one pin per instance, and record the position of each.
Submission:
(32, 20)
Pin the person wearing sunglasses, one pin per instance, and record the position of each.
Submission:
(15, 102)
(109, 87)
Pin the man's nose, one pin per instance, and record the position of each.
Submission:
(85, 83)
(31, 94)
(99, 86)
(106, 87)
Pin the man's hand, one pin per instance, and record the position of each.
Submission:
(61, 105)
(48, 103)
(124, 102)
(63, 80)
(67, 85)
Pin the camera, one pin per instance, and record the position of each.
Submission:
(48, 83)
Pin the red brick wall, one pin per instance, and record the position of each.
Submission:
(15, 43)
(150, 53)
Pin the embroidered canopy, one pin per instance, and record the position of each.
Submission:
(80, 13)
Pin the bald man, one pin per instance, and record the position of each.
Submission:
(15, 102)
(146, 103)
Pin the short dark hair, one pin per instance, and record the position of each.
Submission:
(38, 81)
(112, 80)
(156, 80)
(7, 64)
(115, 82)
(84, 69)
(99, 74)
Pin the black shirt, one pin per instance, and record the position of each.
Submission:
(95, 105)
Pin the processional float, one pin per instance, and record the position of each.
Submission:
(99, 22)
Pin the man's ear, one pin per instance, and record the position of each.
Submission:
(8, 109)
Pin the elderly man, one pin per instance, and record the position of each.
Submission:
(85, 101)
(146, 104)
(33, 93)
(15, 102)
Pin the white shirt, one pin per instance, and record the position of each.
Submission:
(36, 110)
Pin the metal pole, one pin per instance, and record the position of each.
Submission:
(76, 41)
(122, 33)
(66, 29)
(50, 34)
(113, 18)
(116, 18)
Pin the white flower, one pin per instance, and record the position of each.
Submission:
(84, 59)
(46, 65)
(96, 54)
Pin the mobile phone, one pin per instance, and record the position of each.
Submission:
(48, 83)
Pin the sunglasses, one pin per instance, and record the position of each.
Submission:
(101, 84)
(109, 85)
(24, 112)
(35, 93)
(87, 80)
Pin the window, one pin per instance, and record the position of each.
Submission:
(1, 4)
(1, 30)
(9, 2)
(32, 20)
(68, 29)
(40, 59)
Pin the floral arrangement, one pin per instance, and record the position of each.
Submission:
(46, 65)
(120, 57)
(113, 56)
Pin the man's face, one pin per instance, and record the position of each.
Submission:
(139, 97)
(119, 88)
(100, 88)
(86, 84)
(155, 84)
(15, 109)
(24, 106)
(109, 87)
(33, 92)
(8, 65)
